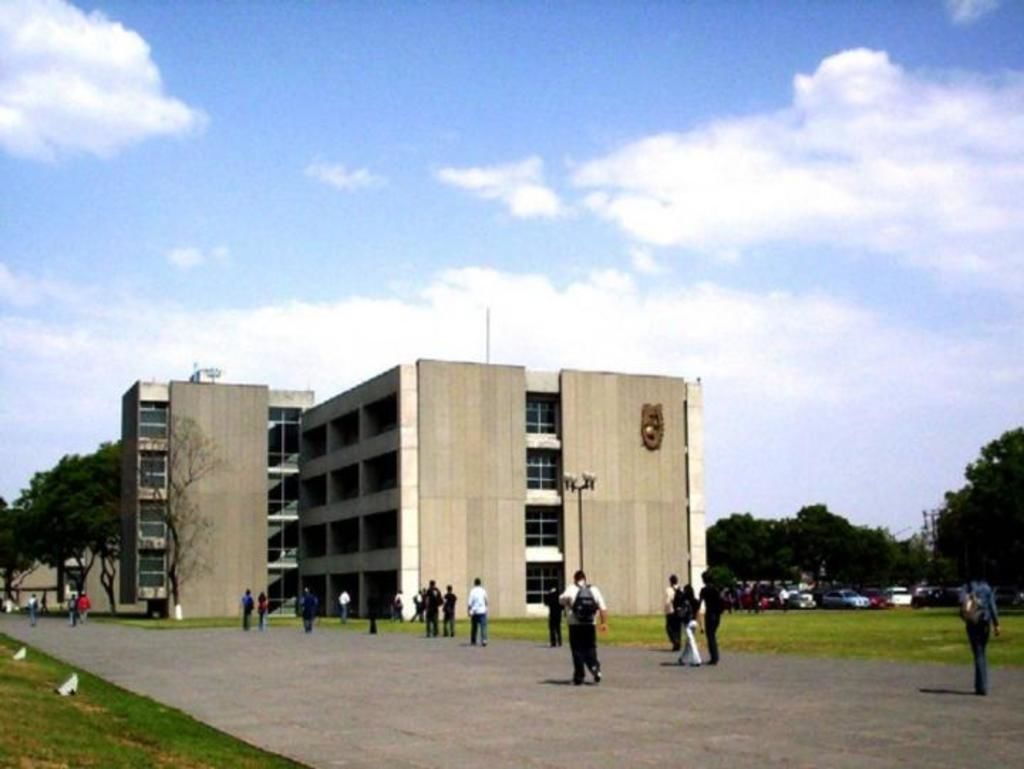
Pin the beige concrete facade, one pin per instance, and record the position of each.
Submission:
(475, 493)
(232, 554)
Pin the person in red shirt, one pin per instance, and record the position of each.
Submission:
(84, 604)
(262, 608)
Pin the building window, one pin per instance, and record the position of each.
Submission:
(283, 436)
(283, 494)
(153, 470)
(541, 470)
(152, 419)
(540, 578)
(283, 543)
(152, 520)
(543, 527)
(151, 570)
(540, 415)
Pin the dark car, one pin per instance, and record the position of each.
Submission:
(931, 595)
(1007, 596)
(925, 595)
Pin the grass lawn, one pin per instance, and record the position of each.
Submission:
(103, 725)
(926, 635)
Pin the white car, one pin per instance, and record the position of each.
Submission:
(798, 599)
(898, 596)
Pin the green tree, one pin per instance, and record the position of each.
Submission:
(15, 562)
(871, 557)
(72, 513)
(911, 561)
(822, 542)
(981, 525)
(751, 548)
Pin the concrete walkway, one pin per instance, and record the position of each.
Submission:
(342, 699)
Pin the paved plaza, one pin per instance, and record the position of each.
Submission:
(346, 699)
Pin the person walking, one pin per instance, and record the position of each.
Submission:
(84, 604)
(262, 609)
(476, 606)
(247, 607)
(33, 610)
(344, 599)
(978, 610)
(448, 609)
(688, 606)
(673, 626)
(310, 605)
(432, 601)
(73, 610)
(587, 613)
(397, 605)
(553, 601)
(711, 599)
(417, 605)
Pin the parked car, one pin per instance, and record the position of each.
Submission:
(877, 599)
(1008, 596)
(800, 599)
(844, 599)
(766, 598)
(898, 596)
(932, 595)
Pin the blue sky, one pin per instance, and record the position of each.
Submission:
(814, 207)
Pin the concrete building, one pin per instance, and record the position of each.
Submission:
(452, 471)
(249, 502)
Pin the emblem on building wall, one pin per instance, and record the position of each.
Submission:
(652, 426)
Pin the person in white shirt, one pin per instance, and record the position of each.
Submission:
(476, 605)
(343, 601)
(587, 613)
(673, 628)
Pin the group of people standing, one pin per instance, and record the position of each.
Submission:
(431, 605)
(78, 608)
(260, 605)
(686, 612)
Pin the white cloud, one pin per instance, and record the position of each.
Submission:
(73, 82)
(868, 156)
(805, 394)
(643, 261)
(338, 176)
(189, 257)
(520, 186)
(21, 290)
(969, 11)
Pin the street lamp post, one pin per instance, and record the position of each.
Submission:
(580, 483)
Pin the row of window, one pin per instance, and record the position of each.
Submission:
(382, 473)
(283, 432)
(282, 429)
(152, 419)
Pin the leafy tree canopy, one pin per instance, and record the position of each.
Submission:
(72, 511)
(981, 525)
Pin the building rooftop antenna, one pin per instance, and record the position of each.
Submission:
(204, 375)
